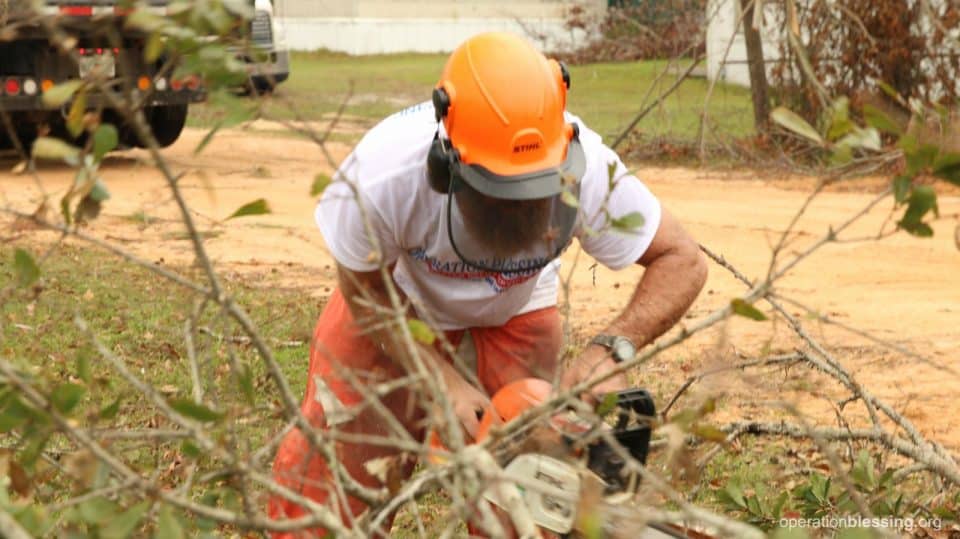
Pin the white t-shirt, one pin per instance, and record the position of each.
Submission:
(388, 170)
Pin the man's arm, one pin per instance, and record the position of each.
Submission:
(675, 273)
(364, 291)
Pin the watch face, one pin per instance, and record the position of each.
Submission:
(623, 350)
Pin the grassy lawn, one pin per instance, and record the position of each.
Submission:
(141, 320)
(606, 95)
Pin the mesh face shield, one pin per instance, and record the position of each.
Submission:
(513, 224)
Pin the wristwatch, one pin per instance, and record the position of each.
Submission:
(621, 348)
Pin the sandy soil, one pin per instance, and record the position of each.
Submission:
(901, 289)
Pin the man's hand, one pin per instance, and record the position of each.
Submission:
(469, 403)
(592, 363)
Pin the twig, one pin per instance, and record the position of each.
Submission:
(693, 65)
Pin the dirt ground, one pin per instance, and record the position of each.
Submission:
(901, 289)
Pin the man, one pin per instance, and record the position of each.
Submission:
(468, 201)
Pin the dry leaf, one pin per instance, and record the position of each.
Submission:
(88, 295)
(388, 470)
(19, 480)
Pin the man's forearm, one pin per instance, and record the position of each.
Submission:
(668, 287)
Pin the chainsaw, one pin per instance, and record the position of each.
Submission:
(548, 476)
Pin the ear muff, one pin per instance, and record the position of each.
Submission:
(441, 103)
(564, 74)
(441, 154)
(438, 166)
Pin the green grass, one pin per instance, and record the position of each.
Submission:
(606, 95)
(140, 318)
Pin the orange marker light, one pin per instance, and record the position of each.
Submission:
(46, 85)
(143, 83)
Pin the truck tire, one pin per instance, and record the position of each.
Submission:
(166, 122)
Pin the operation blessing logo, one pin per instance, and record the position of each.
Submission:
(514, 271)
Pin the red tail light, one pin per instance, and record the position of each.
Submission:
(12, 87)
(76, 11)
(176, 85)
(193, 82)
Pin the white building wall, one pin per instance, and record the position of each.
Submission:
(726, 46)
(382, 26)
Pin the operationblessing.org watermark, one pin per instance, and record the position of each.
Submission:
(857, 521)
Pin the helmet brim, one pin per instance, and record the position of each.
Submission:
(533, 185)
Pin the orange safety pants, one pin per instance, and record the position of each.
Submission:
(527, 345)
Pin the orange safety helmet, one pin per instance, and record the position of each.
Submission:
(502, 104)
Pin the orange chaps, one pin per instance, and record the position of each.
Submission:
(343, 360)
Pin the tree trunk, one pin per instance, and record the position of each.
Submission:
(758, 72)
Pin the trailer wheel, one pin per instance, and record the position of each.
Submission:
(167, 122)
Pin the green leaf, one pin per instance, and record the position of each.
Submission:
(31, 452)
(607, 404)
(190, 449)
(709, 432)
(110, 411)
(923, 199)
(257, 207)
(866, 139)
(920, 230)
(207, 138)
(168, 527)
(61, 93)
(25, 268)
(569, 199)
(421, 332)
(862, 472)
(193, 410)
(14, 414)
(795, 124)
(66, 397)
(245, 381)
(153, 48)
(55, 149)
(889, 90)
(920, 158)
(611, 173)
(947, 167)
(83, 365)
(75, 118)
(629, 222)
(901, 188)
(841, 154)
(124, 524)
(105, 139)
(879, 120)
(733, 494)
(320, 183)
(88, 209)
(141, 19)
(99, 191)
(747, 310)
(98, 510)
(840, 123)
(857, 533)
(778, 505)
